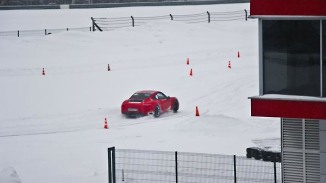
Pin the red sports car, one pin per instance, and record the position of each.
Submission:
(149, 102)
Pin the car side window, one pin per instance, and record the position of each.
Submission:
(155, 97)
(161, 96)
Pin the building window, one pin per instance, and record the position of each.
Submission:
(291, 57)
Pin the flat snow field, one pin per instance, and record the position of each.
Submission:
(51, 126)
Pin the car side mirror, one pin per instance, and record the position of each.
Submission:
(168, 97)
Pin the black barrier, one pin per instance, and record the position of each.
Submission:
(262, 154)
(162, 3)
(125, 4)
(254, 152)
(29, 7)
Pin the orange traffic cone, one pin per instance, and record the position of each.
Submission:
(238, 54)
(229, 65)
(106, 124)
(197, 112)
(190, 72)
(187, 61)
(43, 72)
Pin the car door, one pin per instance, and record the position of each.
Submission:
(164, 100)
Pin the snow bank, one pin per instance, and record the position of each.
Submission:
(9, 175)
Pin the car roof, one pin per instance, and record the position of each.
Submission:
(147, 91)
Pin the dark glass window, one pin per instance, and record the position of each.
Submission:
(138, 97)
(324, 58)
(291, 57)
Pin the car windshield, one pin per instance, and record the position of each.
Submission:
(139, 96)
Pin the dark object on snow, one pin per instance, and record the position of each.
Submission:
(276, 157)
(254, 152)
(266, 155)
(263, 154)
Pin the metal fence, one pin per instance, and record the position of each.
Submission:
(104, 23)
(143, 166)
(41, 32)
(107, 24)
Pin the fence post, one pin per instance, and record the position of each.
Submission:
(209, 17)
(235, 168)
(111, 164)
(171, 17)
(246, 14)
(18, 33)
(176, 166)
(93, 24)
(133, 21)
(275, 176)
(123, 175)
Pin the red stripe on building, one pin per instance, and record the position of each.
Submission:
(288, 7)
(288, 109)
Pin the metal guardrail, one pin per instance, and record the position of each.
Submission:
(123, 4)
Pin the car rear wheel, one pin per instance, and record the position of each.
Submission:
(175, 107)
(157, 111)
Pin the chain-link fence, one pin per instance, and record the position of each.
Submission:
(143, 166)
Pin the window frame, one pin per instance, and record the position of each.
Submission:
(261, 49)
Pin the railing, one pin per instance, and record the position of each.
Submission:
(41, 32)
(103, 23)
(126, 165)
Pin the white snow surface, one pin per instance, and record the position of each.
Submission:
(51, 126)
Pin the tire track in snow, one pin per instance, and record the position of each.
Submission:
(69, 123)
(151, 119)
(48, 124)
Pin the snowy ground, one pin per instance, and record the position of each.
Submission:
(51, 127)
